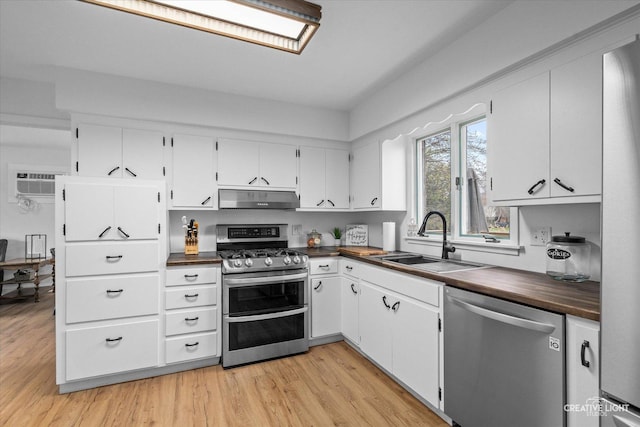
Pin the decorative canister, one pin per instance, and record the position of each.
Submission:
(568, 258)
(314, 239)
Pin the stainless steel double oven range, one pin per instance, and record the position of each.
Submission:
(264, 290)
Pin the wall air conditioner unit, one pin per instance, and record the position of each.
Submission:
(35, 182)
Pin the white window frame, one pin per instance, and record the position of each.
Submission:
(453, 123)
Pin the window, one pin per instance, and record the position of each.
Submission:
(451, 178)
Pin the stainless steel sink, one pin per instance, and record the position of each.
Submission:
(435, 265)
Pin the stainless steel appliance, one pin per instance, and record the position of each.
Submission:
(504, 362)
(264, 292)
(257, 199)
(620, 291)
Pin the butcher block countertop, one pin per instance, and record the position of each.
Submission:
(179, 258)
(524, 287)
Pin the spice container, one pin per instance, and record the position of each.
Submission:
(568, 258)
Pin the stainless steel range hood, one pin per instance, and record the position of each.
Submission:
(257, 199)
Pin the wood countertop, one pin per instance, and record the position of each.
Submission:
(179, 258)
(524, 287)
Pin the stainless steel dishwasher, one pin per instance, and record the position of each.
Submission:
(503, 363)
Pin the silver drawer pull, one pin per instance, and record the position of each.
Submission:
(191, 345)
(190, 276)
(324, 266)
(114, 339)
(118, 291)
(191, 319)
(114, 257)
(191, 295)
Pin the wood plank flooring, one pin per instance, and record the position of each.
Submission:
(330, 385)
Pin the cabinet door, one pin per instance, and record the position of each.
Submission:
(278, 166)
(350, 305)
(518, 141)
(312, 178)
(99, 151)
(576, 127)
(238, 163)
(337, 178)
(366, 177)
(325, 306)
(583, 385)
(376, 339)
(88, 211)
(416, 346)
(142, 154)
(136, 212)
(193, 175)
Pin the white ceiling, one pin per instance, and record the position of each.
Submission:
(361, 46)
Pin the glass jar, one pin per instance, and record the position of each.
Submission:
(568, 258)
(314, 239)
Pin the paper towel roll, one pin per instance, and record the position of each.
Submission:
(389, 236)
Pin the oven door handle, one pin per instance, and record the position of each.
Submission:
(268, 316)
(264, 279)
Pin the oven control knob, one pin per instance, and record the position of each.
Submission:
(237, 263)
(248, 262)
(268, 261)
(286, 260)
(305, 258)
(296, 259)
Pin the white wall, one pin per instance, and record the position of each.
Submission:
(517, 32)
(31, 146)
(320, 221)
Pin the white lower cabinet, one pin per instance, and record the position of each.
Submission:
(192, 315)
(395, 320)
(401, 335)
(583, 371)
(108, 293)
(325, 296)
(111, 349)
(350, 294)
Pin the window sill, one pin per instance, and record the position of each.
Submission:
(495, 248)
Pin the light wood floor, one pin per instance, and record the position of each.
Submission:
(330, 385)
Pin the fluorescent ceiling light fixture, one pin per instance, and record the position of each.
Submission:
(281, 24)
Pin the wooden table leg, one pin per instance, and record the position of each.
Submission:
(36, 283)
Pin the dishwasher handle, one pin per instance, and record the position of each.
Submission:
(504, 318)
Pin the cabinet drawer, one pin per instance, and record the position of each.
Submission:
(192, 296)
(177, 276)
(97, 298)
(325, 266)
(130, 346)
(111, 258)
(190, 321)
(349, 268)
(196, 346)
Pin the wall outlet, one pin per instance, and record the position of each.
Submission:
(296, 229)
(541, 236)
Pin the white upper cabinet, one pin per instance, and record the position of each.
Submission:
(193, 176)
(378, 176)
(256, 164)
(576, 128)
(545, 137)
(324, 178)
(107, 151)
(518, 141)
(96, 212)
